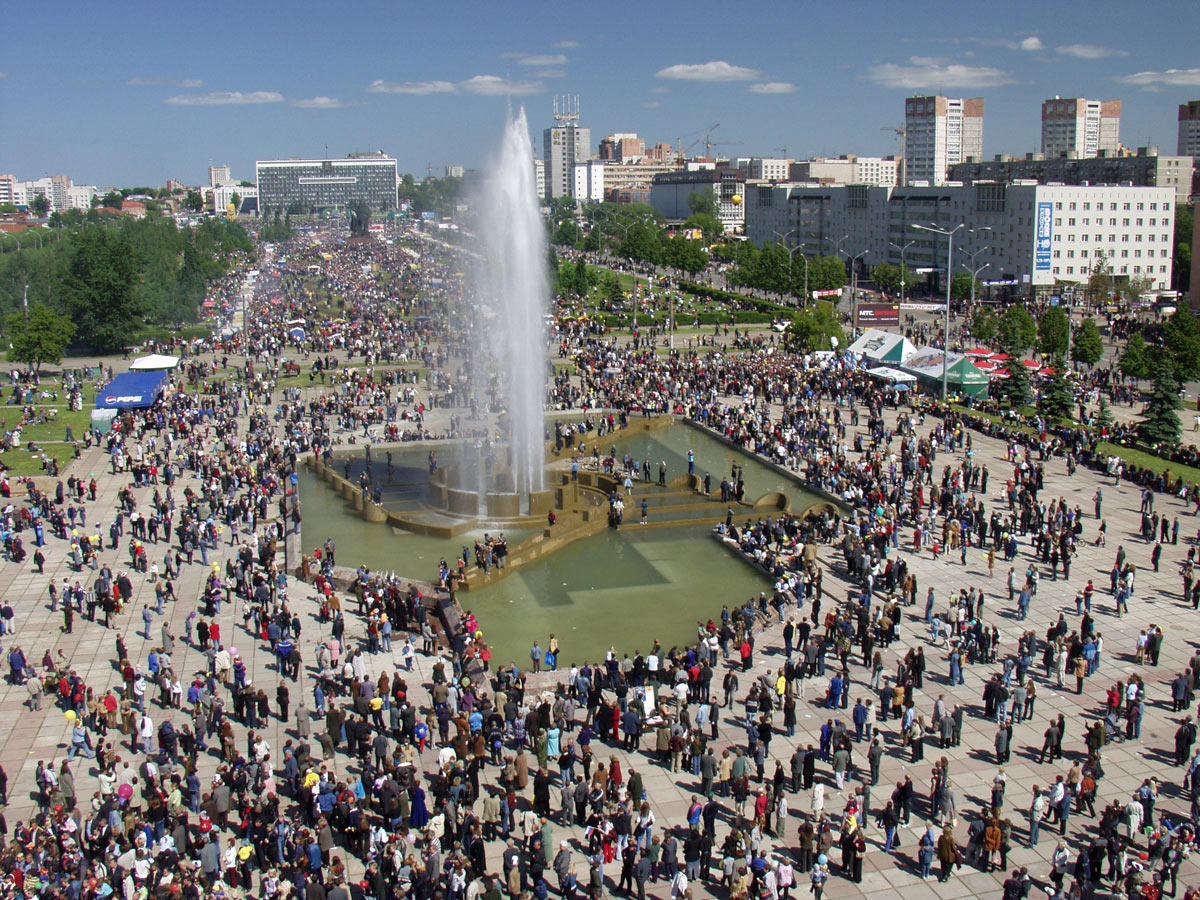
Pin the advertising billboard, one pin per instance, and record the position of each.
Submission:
(878, 315)
(1045, 235)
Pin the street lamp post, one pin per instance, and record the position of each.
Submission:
(949, 235)
(973, 256)
(902, 249)
(791, 257)
(853, 280)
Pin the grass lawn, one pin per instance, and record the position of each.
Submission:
(1138, 458)
(22, 462)
(1145, 460)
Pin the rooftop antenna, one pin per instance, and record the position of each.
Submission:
(566, 109)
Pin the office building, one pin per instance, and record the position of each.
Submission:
(218, 175)
(454, 171)
(1189, 129)
(1039, 234)
(637, 176)
(669, 193)
(622, 147)
(939, 132)
(587, 181)
(222, 196)
(759, 168)
(1143, 169)
(848, 169)
(310, 184)
(1075, 128)
(80, 196)
(564, 145)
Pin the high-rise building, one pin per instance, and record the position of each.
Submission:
(587, 181)
(539, 178)
(939, 132)
(218, 175)
(1189, 129)
(564, 145)
(622, 147)
(11, 191)
(324, 183)
(1080, 129)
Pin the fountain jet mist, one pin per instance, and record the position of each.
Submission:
(512, 289)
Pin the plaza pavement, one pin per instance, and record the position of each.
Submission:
(27, 737)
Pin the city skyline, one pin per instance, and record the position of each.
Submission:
(109, 102)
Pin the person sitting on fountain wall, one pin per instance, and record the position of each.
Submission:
(551, 518)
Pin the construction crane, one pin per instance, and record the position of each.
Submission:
(708, 145)
(782, 151)
(903, 135)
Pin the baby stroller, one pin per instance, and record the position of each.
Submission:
(1113, 732)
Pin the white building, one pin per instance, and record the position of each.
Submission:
(11, 190)
(564, 145)
(939, 132)
(222, 195)
(587, 182)
(848, 169)
(1079, 129)
(1189, 129)
(54, 188)
(1039, 234)
(539, 178)
(760, 168)
(80, 196)
(454, 171)
(218, 175)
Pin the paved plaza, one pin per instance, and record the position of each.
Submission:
(31, 736)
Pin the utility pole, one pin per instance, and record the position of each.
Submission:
(902, 250)
(25, 303)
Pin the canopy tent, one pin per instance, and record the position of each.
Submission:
(880, 346)
(962, 376)
(901, 380)
(132, 390)
(153, 363)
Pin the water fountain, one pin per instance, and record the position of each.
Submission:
(508, 361)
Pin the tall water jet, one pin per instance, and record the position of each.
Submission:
(512, 293)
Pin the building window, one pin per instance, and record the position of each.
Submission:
(1070, 270)
(1057, 254)
(1140, 206)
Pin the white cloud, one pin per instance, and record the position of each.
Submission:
(772, 87)
(653, 104)
(536, 59)
(566, 45)
(495, 86)
(158, 82)
(225, 98)
(1089, 51)
(920, 74)
(1169, 78)
(551, 73)
(928, 60)
(1029, 44)
(319, 103)
(379, 86)
(716, 70)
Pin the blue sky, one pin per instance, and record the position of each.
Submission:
(135, 92)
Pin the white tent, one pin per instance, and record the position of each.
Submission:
(153, 362)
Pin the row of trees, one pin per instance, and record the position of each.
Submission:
(772, 269)
(110, 276)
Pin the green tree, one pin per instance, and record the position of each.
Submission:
(702, 203)
(710, 225)
(582, 282)
(99, 289)
(681, 253)
(1100, 283)
(192, 201)
(642, 242)
(611, 290)
(1056, 400)
(1015, 387)
(1087, 346)
(1104, 415)
(813, 327)
(1016, 330)
(1182, 273)
(1053, 332)
(41, 339)
(826, 273)
(236, 200)
(39, 205)
(1182, 337)
(983, 324)
(1160, 425)
(889, 277)
(960, 286)
(1135, 360)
